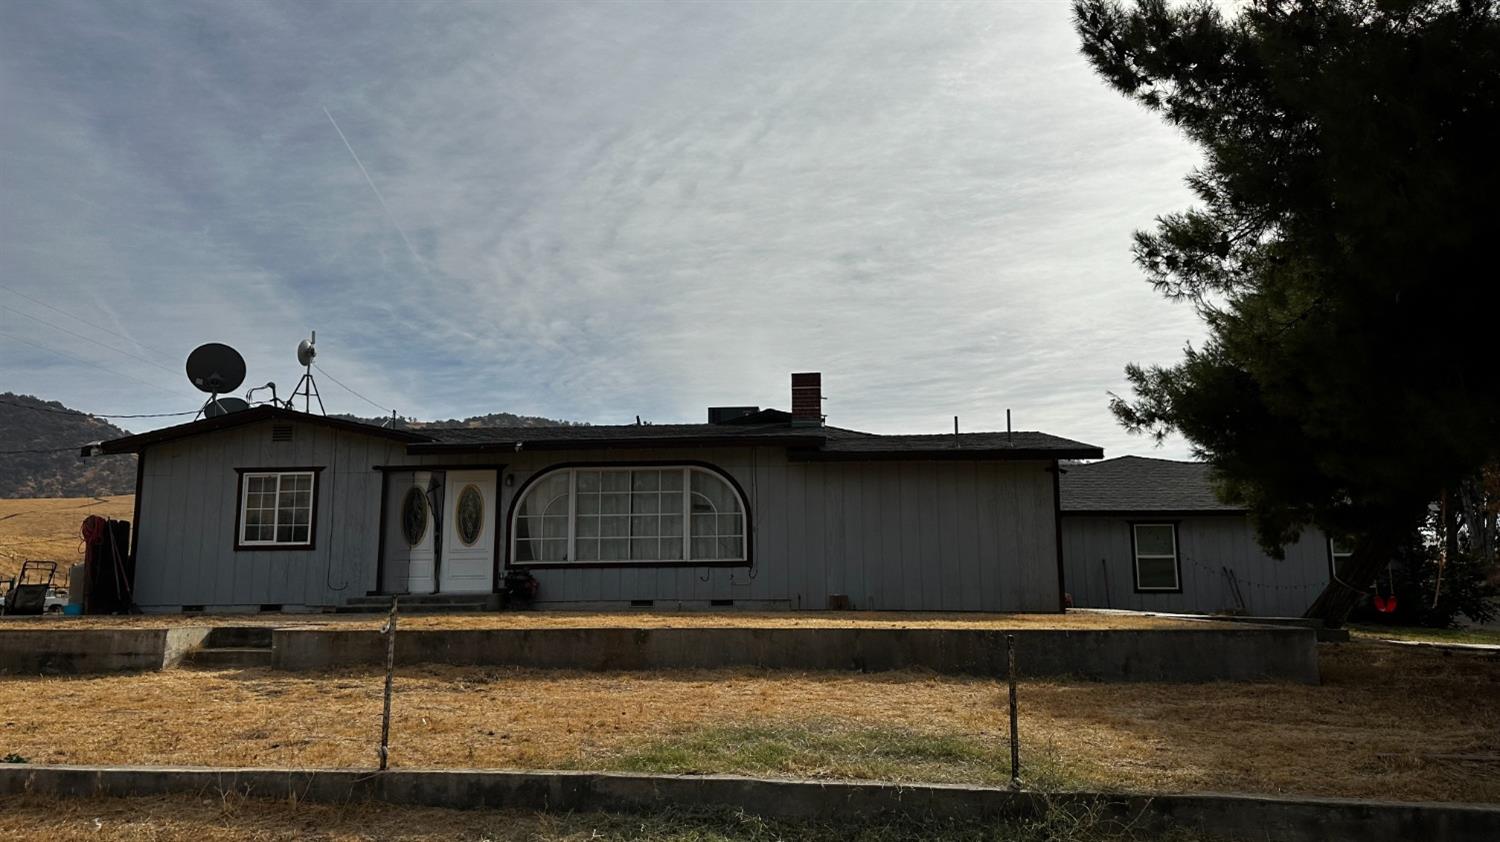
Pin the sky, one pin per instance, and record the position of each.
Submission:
(585, 211)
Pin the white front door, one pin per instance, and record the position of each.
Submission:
(468, 532)
(418, 521)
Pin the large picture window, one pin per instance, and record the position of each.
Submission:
(276, 509)
(1156, 567)
(677, 514)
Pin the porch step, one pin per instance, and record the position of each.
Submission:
(229, 657)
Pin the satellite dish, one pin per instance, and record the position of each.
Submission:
(216, 368)
(306, 352)
(224, 406)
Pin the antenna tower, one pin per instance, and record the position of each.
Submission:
(306, 387)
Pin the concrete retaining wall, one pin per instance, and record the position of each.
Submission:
(1214, 653)
(1218, 816)
(77, 651)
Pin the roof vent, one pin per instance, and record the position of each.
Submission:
(281, 432)
(726, 414)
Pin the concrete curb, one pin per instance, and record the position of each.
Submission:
(1222, 816)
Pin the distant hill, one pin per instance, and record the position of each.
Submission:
(32, 424)
(494, 419)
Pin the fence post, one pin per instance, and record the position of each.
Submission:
(390, 671)
(1015, 739)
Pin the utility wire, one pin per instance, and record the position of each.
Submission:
(59, 310)
(86, 338)
(96, 414)
(79, 359)
(351, 391)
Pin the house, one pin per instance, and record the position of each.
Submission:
(271, 509)
(1151, 535)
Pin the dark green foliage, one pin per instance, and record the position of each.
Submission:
(1413, 576)
(1341, 253)
(32, 424)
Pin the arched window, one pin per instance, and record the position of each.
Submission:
(678, 514)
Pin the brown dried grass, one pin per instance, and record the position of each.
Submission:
(1076, 619)
(1384, 724)
(47, 528)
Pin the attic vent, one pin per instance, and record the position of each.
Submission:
(281, 432)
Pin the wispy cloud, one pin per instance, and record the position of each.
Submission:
(590, 211)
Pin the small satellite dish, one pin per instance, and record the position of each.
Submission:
(306, 352)
(224, 406)
(216, 368)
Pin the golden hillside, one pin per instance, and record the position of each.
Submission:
(47, 528)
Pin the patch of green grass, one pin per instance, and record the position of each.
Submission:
(1490, 635)
(839, 750)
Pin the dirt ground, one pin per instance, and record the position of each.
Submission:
(212, 817)
(48, 528)
(1386, 722)
(1075, 619)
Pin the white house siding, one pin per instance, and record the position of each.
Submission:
(1206, 545)
(928, 535)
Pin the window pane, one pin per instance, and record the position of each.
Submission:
(645, 502)
(705, 526)
(729, 548)
(1153, 539)
(645, 480)
(549, 495)
(729, 525)
(671, 548)
(588, 503)
(1157, 573)
(705, 549)
(671, 480)
(614, 549)
(587, 549)
(614, 480)
(643, 526)
(671, 525)
(644, 549)
(588, 527)
(284, 533)
(299, 533)
(588, 481)
(615, 504)
(716, 491)
(611, 527)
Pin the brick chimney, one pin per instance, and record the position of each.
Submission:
(807, 399)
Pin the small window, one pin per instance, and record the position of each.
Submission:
(1337, 552)
(276, 509)
(1156, 567)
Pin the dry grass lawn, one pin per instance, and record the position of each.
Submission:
(1387, 722)
(1077, 619)
(48, 528)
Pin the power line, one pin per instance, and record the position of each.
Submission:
(79, 359)
(351, 391)
(97, 414)
(59, 310)
(86, 338)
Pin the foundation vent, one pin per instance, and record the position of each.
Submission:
(281, 432)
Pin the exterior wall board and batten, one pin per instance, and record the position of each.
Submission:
(890, 534)
(1099, 566)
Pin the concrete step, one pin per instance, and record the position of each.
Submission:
(230, 657)
(238, 637)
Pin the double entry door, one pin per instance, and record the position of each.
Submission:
(443, 529)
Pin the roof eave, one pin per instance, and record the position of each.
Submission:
(1018, 454)
(1149, 512)
(139, 441)
(611, 444)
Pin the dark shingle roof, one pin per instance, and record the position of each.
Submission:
(770, 427)
(1022, 444)
(1139, 484)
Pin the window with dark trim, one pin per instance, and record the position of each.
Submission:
(1156, 559)
(629, 514)
(1336, 555)
(276, 509)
